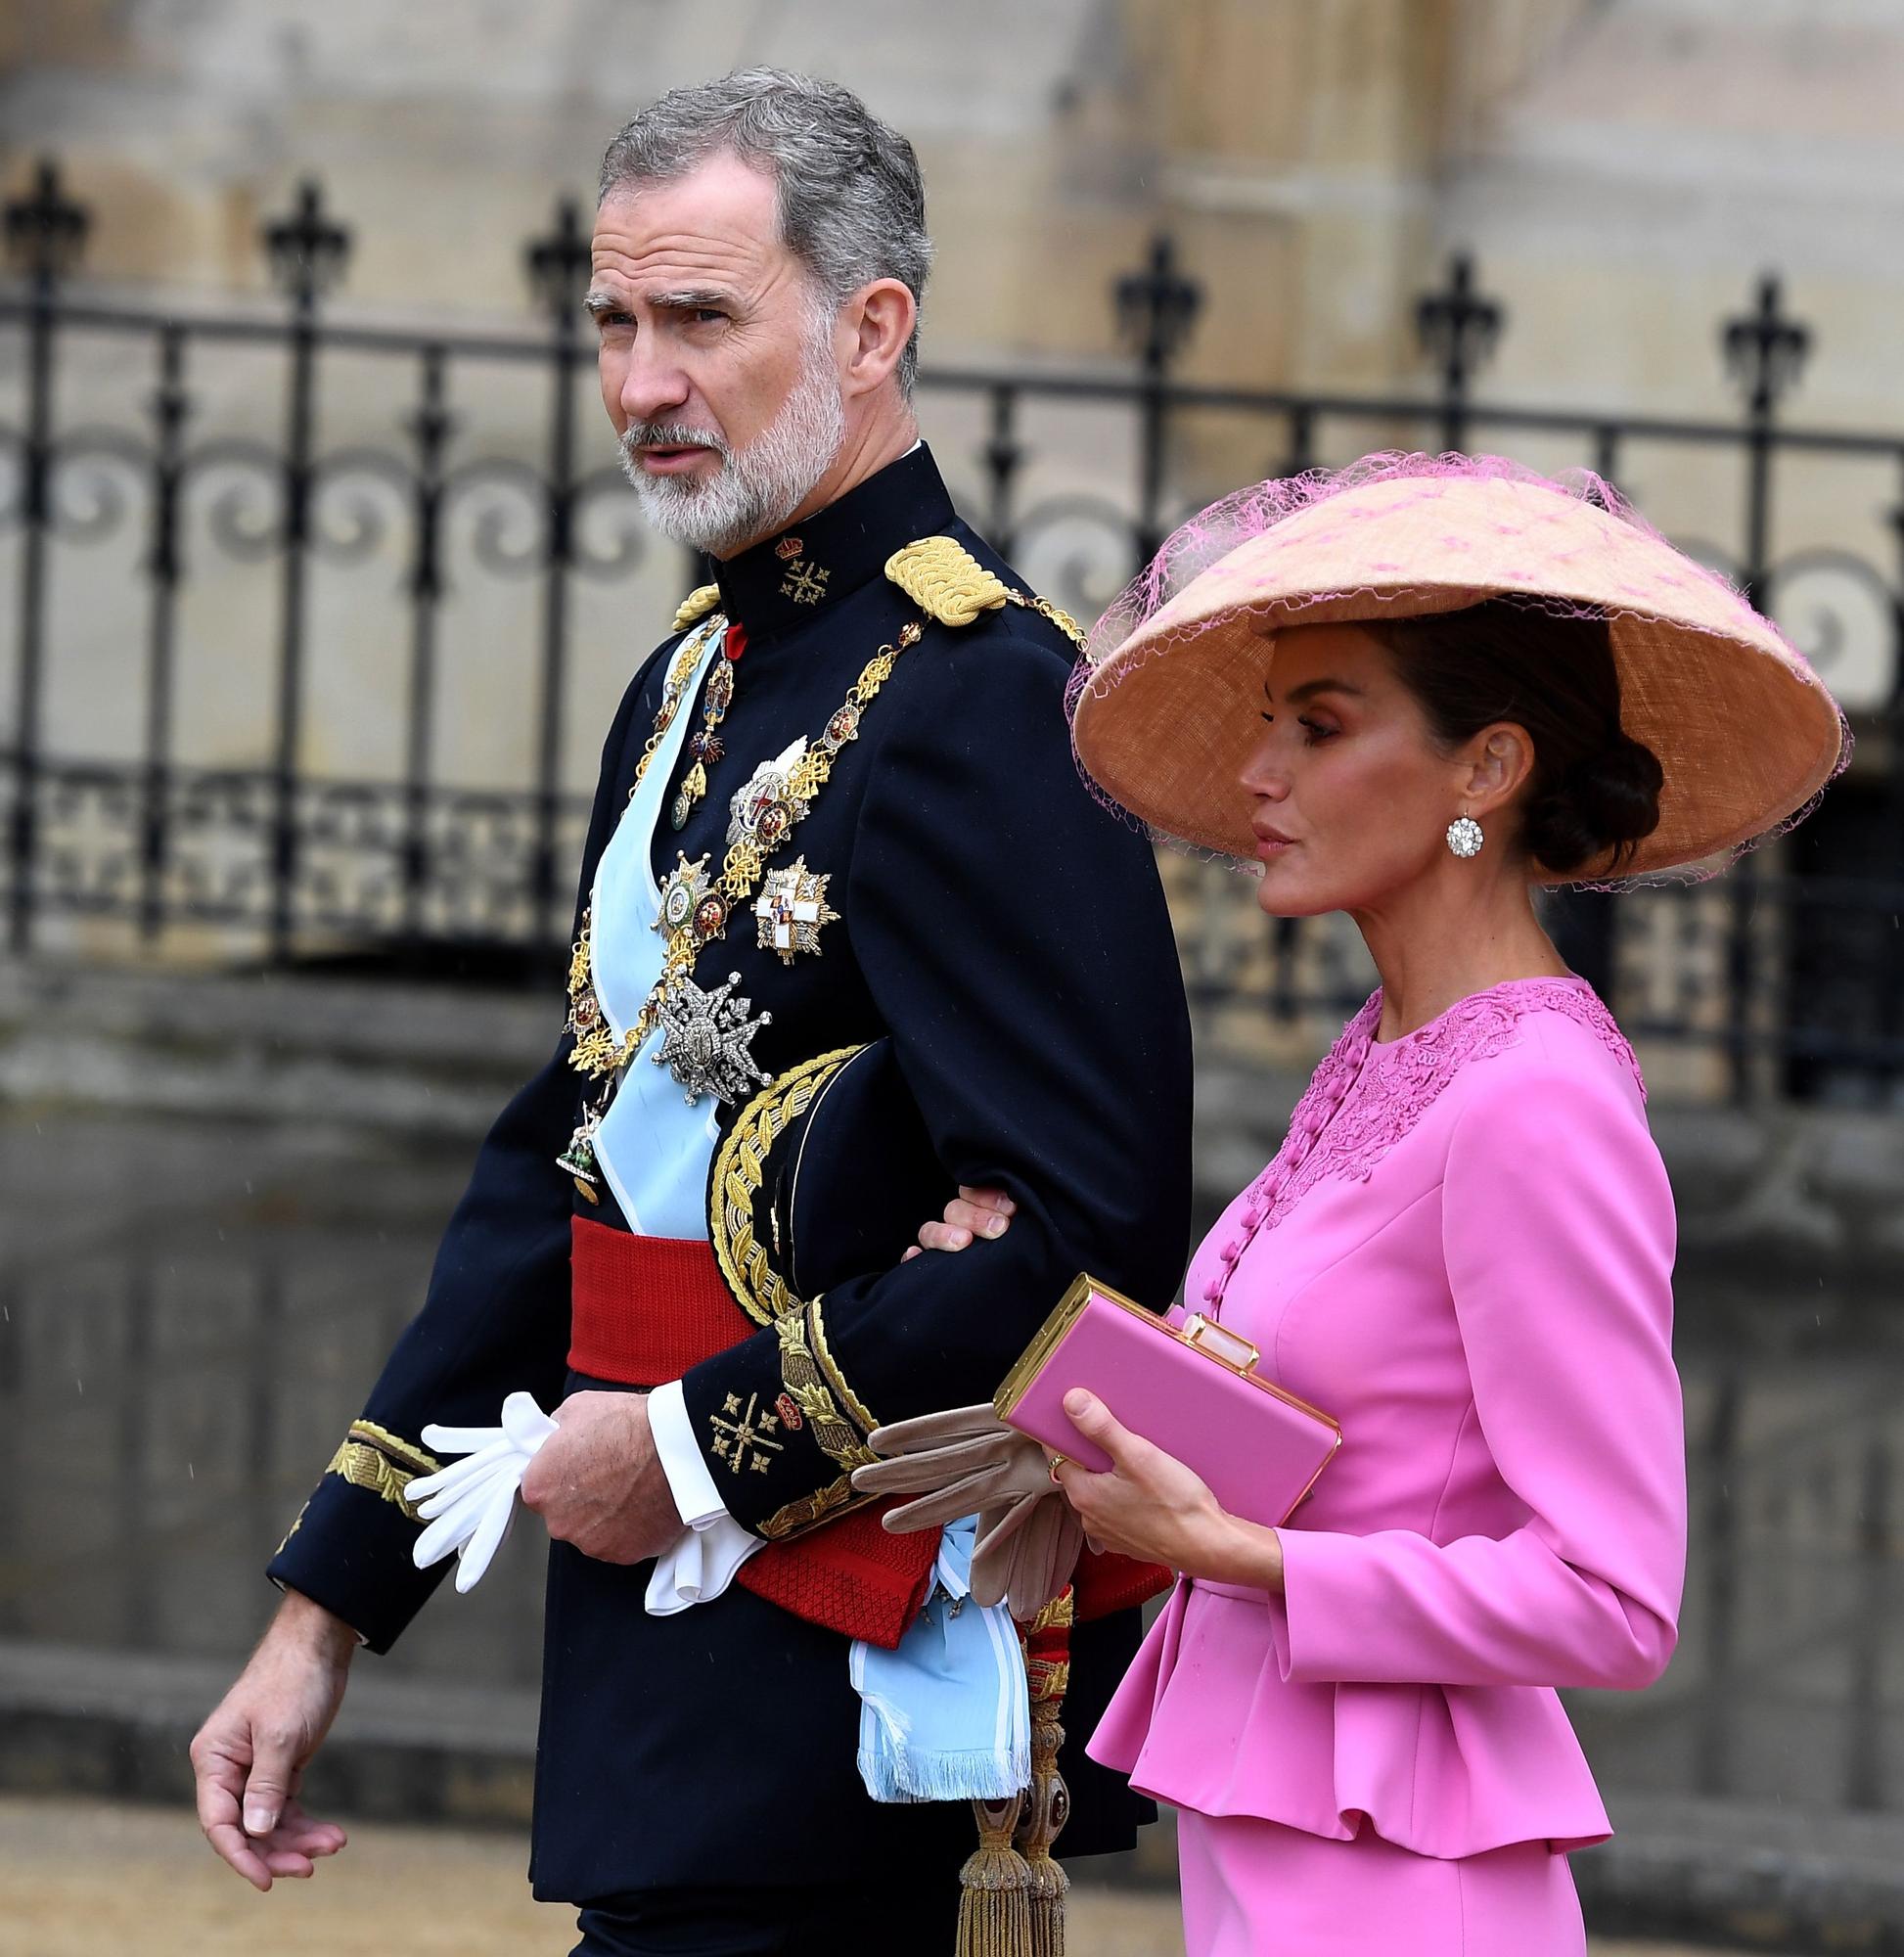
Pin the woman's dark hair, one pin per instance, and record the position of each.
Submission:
(1594, 788)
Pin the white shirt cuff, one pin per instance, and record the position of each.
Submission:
(688, 1479)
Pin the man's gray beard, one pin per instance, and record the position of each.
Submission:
(757, 488)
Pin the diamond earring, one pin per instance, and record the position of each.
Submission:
(1465, 836)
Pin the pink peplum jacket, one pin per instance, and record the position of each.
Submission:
(1464, 1251)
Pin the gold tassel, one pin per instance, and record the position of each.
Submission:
(995, 1886)
(1045, 1814)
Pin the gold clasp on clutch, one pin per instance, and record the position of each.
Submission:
(1219, 1342)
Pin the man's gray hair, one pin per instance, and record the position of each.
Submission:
(852, 205)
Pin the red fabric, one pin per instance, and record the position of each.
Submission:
(646, 1309)
(1106, 1582)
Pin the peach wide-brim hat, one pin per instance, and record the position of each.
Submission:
(1166, 706)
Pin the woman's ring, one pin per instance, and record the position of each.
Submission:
(1056, 1462)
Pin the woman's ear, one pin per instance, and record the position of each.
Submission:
(1499, 761)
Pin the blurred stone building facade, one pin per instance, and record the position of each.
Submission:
(1620, 170)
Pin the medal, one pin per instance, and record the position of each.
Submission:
(578, 1158)
(790, 909)
(707, 1040)
(704, 745)
(768, 807)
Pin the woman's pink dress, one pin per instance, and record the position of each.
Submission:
(1464, 1251)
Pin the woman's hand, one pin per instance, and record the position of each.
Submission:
(974, 1212)
(1148, 1505)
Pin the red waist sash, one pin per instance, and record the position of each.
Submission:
(646, 1309)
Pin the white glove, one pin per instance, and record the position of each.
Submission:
(468, 1505)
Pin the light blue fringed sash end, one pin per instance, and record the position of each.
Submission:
(947, 1715)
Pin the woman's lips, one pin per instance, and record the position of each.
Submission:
(1271, 842)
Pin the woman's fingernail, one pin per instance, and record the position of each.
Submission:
(1077, 1400)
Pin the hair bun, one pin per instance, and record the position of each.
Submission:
(1607, 799)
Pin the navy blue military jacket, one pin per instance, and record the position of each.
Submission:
(1010, 937)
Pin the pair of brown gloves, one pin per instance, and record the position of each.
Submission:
(966, 1461)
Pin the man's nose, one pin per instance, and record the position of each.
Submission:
(652, 389)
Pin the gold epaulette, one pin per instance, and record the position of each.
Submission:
(697, 605)
(945, 580)
(948, 583)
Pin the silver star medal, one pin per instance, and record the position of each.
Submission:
(707, 1040)
(763, 811)
(790, 909)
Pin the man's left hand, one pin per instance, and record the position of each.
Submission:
(597, 1481)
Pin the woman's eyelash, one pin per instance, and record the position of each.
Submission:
(1312, 728)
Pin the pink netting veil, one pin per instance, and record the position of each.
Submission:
(1164, 703)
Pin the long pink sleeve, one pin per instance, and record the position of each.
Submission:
(1559, 1236)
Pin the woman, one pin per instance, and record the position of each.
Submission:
(1416, 692)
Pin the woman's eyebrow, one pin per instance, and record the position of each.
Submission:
(1299, 695)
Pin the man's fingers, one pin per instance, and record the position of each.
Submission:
(229, 1843)
(943, 1237)
(269, 1785)
(989, 1198)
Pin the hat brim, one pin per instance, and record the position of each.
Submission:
(1746, 734)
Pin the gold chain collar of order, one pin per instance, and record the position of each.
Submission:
(597, 1054)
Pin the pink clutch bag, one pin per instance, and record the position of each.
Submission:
(1193, 1390)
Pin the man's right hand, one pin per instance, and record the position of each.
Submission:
(250, 1756)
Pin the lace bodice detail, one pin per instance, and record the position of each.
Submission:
(1365, 1098)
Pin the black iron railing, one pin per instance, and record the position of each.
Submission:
(1790, 971)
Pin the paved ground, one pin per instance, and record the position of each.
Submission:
(78, 1878)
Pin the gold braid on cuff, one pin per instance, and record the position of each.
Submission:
(385, 1462)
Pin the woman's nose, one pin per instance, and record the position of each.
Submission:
(1261, 776)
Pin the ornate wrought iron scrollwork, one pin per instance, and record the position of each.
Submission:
(507, 536)
(242, 480)
(604, 506)
(1077, 550)
(93, 479)
(1840, 611)
(346, 524)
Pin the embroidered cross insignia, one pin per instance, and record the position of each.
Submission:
(743, 1438)
(804, 584)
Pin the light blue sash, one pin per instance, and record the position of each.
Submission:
(654, 1149)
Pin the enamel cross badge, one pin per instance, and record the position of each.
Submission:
(790, 909)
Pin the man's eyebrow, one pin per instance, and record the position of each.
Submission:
(693, 297)
(1310, 690)
(600, 301)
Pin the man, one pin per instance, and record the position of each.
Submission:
(867, 671)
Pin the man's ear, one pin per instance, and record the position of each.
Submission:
(877, 321)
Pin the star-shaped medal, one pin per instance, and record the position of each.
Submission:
(790, 909)
(707, 1040)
